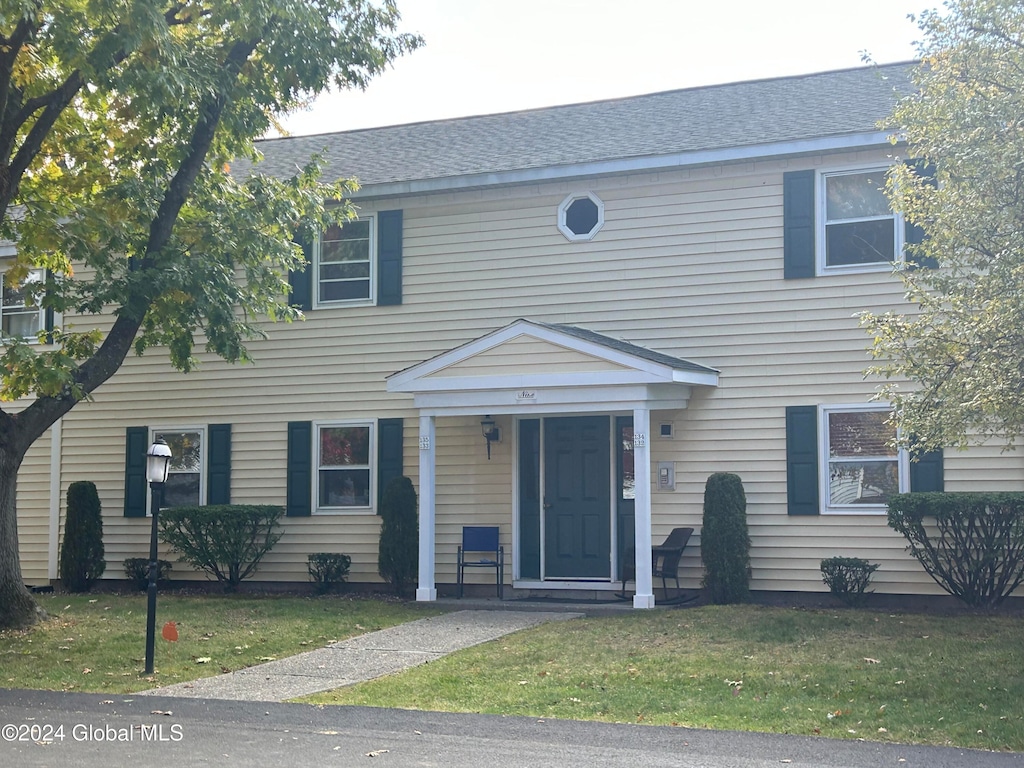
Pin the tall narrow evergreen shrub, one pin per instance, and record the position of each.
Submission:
(724, 541)
(398, 553)
(81, 554)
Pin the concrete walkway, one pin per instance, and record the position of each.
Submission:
(362, 658)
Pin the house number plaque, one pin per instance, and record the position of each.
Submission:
(424, 443)
(639, 439)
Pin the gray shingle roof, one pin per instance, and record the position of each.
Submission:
(736, 115)
(619, 345)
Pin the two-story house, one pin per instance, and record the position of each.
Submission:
(637, 293)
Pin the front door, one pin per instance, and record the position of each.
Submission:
(577, 498)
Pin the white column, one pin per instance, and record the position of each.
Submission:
(427, 591)
(644, 597)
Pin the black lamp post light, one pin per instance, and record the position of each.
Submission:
(158, 462)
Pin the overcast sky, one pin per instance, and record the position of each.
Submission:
(486, 56)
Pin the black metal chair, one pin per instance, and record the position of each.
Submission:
(665, 559)
(483, 542)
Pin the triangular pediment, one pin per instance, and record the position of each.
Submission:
(528, 354)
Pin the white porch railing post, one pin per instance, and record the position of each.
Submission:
(644, 596)
(427, 591)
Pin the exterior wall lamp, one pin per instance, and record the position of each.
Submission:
(491, 432)
(158, 463)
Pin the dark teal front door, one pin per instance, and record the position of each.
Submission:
(577, 498)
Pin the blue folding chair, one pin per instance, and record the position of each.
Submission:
(483, 543)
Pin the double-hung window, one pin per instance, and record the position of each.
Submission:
(344, 476)
(859, 231)
(19, 314)
(186, 483)
(860, 466)
(344, 263)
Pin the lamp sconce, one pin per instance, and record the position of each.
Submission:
(491, 432)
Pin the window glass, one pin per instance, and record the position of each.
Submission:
(863, 467)
(628, 490)
(344, 466)
(343, 263)
(185, 475)
(18, 317)
(860, 228)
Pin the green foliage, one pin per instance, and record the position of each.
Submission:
(136, 569)
(327, 570)
(972, 544)
(847, 578)
(724, 541)
(127, 151)
(81, 553)
(398, 554)
(227, 541)
(961, 342)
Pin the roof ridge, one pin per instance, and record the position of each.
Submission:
(594, 102)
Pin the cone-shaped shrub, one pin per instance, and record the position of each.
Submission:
(81, 554)
(398, 553)
(724, 541)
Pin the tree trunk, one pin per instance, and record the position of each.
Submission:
(17, 607)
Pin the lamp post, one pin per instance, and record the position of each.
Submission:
(158, 462)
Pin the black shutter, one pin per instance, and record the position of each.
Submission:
(926, 472)
(798, 224)
(389, 454)
(389, 258)
(48, 315)
(218, 463)
(802, 459)
(299, 501)
(135, 446)
(912, 233)
(302, 282)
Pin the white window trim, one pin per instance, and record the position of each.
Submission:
(372, 469)
(824, 500)
(204, 446)
(370, 300)
(563, 209)
(40, 312)
(820, 211)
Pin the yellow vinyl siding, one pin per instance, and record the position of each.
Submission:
(689, 263)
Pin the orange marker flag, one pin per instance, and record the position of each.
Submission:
(171, 632)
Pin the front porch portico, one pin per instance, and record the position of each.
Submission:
(539, 371)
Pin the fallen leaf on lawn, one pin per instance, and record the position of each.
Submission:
(883, 730)
(267, 658)
(734, 682)
(203, 660)
(86, 671)
(871, 661)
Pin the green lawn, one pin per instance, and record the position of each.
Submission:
(841, 673)
(98, 642)
(945, 680)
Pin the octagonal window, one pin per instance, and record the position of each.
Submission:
(580, 217)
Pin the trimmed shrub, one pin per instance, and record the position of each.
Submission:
(972, 544)
(847, 578)
(136, 570)
(327, 569)
(227, 541)
(81, 554)
(724, 541)
(398, 554)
